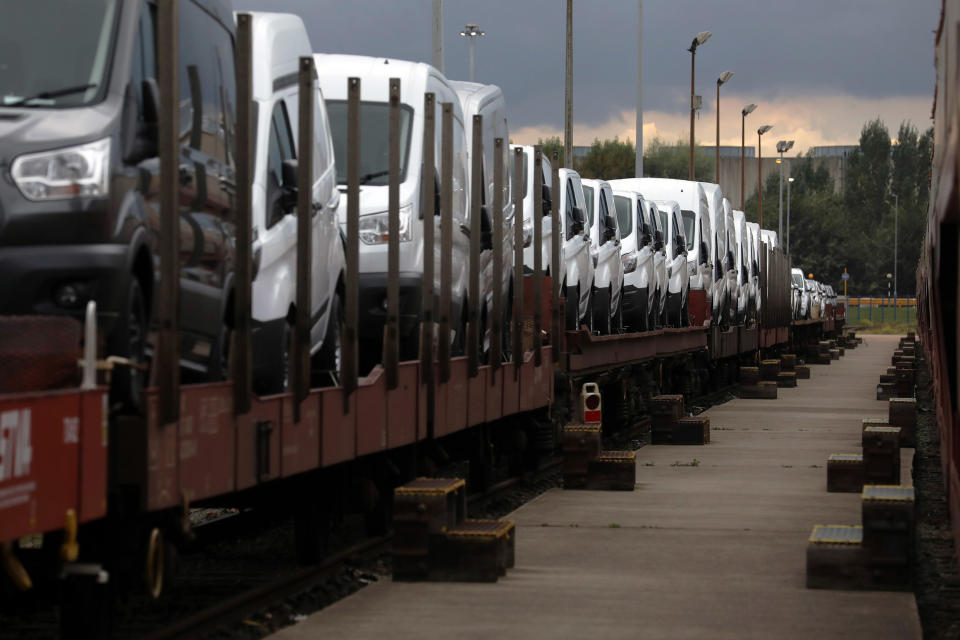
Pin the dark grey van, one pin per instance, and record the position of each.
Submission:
(79, 201)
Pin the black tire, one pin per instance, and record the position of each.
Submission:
(275, 377)
(618, 317)
(506, 333)
(652, 312)
(571, 309)
(601, 311)
(459, 345)
(129, 341)
(685, 312)
(327, 359)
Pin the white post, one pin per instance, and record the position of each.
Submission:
(788, 214)
(896, 224)
(472, 38)
(438, 35)
(639, 135)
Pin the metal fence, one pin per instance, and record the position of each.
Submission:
(881, 310)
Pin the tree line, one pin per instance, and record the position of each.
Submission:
(885, 184)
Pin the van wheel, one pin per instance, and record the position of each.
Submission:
(459, 345)
(685, 313)
(571, 308)
(276, 376)
(601, 311)
(506, 333)
(129, 341)
(652, 312)
(618, 318)
(328, 357)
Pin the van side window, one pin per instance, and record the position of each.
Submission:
(280, 149)
(568, 210)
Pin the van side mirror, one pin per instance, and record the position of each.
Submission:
(645, 238)
(679, 246)
(486, 231)
(547, 200)
(288, 201)
(141, 137)
(609, 228)
(657, 240)
(579, 219)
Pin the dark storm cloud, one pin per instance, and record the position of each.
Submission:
(777, 49)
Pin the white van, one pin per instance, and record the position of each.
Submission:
(743, 258)
(577, 276)
(608, 268)
(487, 100)
(718, 252)
(753, 229)
(659, 306)
(416, 79)
(678, 279)
(637, 255)
(695, 212)
(279, 40)
(731, 265)
(799, 296)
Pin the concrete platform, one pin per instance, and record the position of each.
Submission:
(709, 549)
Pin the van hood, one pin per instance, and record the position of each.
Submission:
(28, 130)
(374, 199)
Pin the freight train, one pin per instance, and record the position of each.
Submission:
(937, 281)
(144, 245)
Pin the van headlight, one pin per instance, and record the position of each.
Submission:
(61, 174)
(375, 229)
(527, 234)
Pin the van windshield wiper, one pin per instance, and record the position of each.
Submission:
(47, 95)
(364, 179)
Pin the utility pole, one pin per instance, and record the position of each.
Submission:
(638, 164)
(568, 92)
(438, 35)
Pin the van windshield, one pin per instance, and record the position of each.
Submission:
(798, 280)
(55, 53)
(689, 223)
(624, 215)
(374, 141)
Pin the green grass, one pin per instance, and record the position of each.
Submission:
(881, 320)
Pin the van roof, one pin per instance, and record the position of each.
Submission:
(279, 40)
(374, 73)
(475, 96)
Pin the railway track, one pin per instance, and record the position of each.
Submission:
(251, 612)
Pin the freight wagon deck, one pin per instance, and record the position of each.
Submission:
(707, 549)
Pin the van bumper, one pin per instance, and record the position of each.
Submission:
(31, 276)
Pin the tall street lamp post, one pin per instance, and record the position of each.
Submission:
(473, 32)
(789, 182)
(724, 77)
(701, 37)
(762, 130)
(747, 110)
(782, 147)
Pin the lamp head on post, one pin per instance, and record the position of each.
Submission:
(789, 179)
(724, 77)
(700, 38)
(762, 130)
(747, 110)
(472, 30)
(784, 145)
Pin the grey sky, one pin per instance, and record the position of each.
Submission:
(779, 50)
